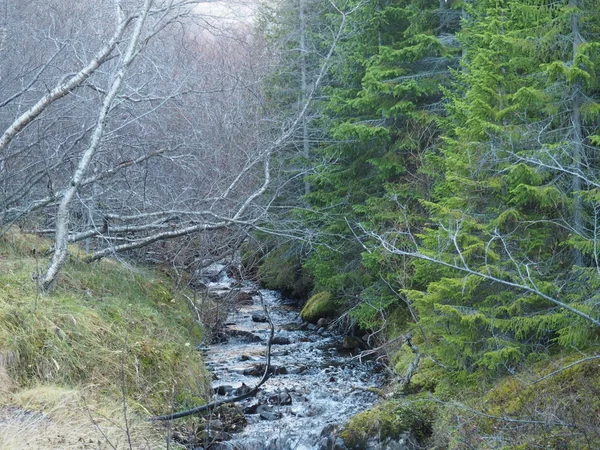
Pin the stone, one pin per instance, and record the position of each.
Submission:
(259, 318)
(243, 389)
(223, 389)
(322, 322)
(251, 409)
(256, 370)
(244, 336)
(282, 398)
(352, 342)
(267, 412)
(280, 340)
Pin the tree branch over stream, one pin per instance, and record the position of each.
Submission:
(237, 398)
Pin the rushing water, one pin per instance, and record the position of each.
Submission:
(324, 384)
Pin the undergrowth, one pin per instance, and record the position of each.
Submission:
(106, 332)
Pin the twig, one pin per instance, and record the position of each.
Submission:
(589, 358)
(252, 392)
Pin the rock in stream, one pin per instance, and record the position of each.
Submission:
(314, 386)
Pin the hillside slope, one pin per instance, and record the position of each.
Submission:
(85, 366)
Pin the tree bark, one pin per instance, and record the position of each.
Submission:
(64, 88)
(62, 216)
(577, 142)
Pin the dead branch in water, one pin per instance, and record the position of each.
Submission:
(237, 398)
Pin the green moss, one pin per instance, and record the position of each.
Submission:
(318, 306)
(105, 325)
(388, 420)
(528, 410)
(282, 269)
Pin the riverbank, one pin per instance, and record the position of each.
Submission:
(85, 366)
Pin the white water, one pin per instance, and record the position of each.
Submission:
(329, 390)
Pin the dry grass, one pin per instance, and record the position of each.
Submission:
(48, 417)
(67, 360)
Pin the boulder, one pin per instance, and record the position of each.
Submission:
(259, 318)
(319, 306)
(322, 322)
(267, 412)
(282, 398)
(352, 342)
(280, 340)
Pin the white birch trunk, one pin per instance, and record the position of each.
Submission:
(64, 208)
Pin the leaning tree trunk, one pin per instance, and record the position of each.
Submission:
(64, 208)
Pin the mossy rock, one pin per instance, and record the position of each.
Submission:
(389, 420)
(318, 306)
(282, 269)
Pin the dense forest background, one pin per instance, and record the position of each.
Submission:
(451, 179)
(424, 173)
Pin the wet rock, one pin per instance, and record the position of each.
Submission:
(212, 274)
(322, 332)
(242, 335)
(254, 371)
(322, 322)
(282, 398)
(242, 390)
(267, 412)
(280, 340)
(330, 440)
(297, 370)
(258, 370)
(278, 370)
(311, 327)
(352, 342)
(251, 409)
(223, 389)
(259, 318)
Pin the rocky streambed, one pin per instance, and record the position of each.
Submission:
(314, 387)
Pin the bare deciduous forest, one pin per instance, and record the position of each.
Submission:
(421, 176)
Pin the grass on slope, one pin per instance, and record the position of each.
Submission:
(106, 333)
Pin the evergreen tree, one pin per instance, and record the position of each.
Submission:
(382, 113)
(512, 202)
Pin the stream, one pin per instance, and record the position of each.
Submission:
(315, 387)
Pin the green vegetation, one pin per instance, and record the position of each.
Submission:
(106, 331)
(389, 420)
(458, 204)
(320, 305)
(281, 269)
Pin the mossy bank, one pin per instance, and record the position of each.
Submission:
(110, 341)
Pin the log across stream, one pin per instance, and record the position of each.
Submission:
(314, 386)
